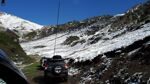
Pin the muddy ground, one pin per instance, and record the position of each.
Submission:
(39, 79)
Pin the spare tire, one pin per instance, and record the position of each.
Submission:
(57, 70)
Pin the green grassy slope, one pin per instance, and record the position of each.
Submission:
(10, 44)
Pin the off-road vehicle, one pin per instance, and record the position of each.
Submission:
(56, 68)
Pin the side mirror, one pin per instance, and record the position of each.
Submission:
(9, 73)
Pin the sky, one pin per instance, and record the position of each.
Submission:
(44, 12)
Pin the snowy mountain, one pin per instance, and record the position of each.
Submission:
(94, 36)
(103, 50)
(18, 25)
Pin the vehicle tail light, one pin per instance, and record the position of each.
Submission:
(66, 66)
(46, 66)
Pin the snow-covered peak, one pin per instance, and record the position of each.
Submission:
(119, 15)
(12, 22)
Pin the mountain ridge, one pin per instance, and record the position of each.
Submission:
(18, 25)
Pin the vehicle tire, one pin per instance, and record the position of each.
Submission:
(46, 79)
(65, 79)
(45, 75)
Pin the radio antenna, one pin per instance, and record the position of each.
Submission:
(57, 26)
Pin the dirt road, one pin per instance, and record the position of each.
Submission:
(39, 79)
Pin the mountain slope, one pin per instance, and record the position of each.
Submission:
(20, 26)
(10, 44)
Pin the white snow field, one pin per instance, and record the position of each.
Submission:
(85, 51)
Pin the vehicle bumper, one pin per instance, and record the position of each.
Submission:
(50, 75)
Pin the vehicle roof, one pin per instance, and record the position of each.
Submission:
(57, 57)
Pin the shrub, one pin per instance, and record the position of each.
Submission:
(31, 35)
(71, 39)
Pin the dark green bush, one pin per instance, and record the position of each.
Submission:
(71, 39)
